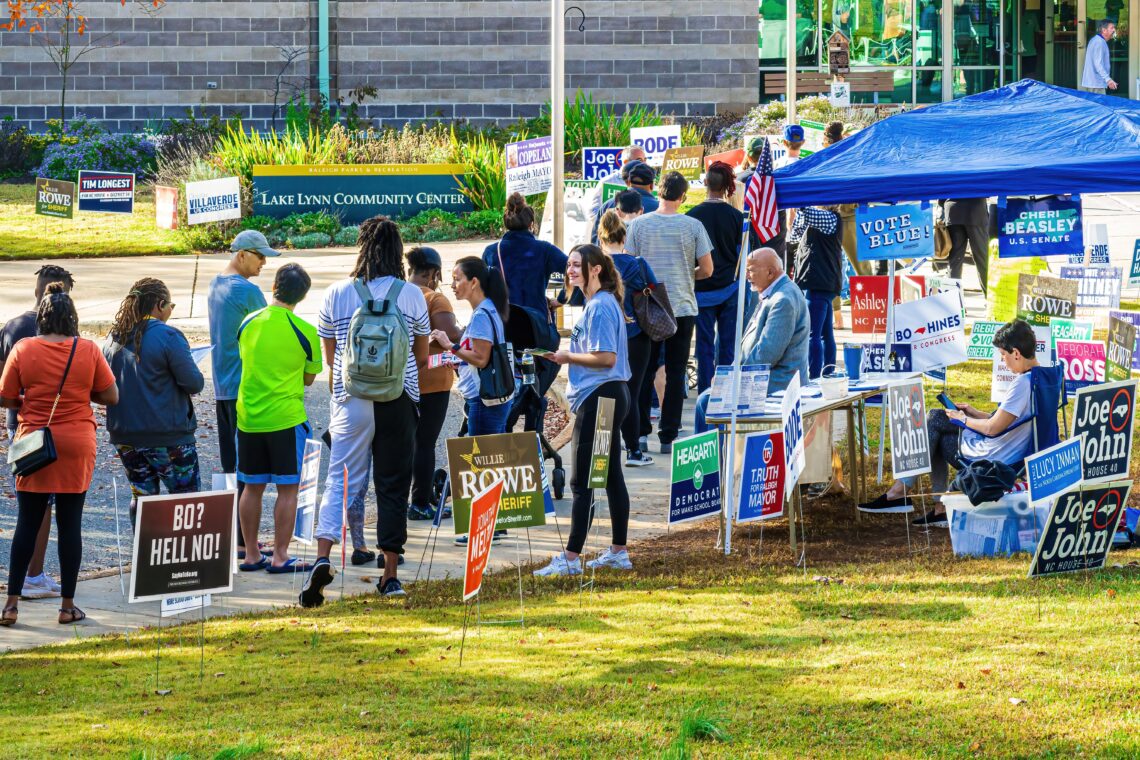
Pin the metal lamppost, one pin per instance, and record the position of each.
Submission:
(557, 112)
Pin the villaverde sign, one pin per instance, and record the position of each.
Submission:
(355, 192)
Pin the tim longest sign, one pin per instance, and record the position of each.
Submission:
(355, 192)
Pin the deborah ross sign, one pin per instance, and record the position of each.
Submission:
(356, 192)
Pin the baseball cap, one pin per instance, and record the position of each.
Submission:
(794, 133)
(252, 240)
(755, 145)
(641, 173)
(431, 257)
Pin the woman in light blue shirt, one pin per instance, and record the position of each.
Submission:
(598, 362)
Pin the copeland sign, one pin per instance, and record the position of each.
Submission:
(355, 192)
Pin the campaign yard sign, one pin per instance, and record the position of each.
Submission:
(905, 231)
(1097, 287)
(1096, 240)
(1053, 470)
(166, 207)
(869, 301)
(184, 545)
(55, 198)
(1040, 298)
(1104, 415)
(106, 192)
(1133, 318)
(934, 328)
(1078, 533)
(1134, 271)
(792, 423)
(530, 166)
(1083, 361)
(981, 344)
(599, 162)
(484, 515)
(213, 200)
(304, 525)
(355, 192)
(1045, 227)
(1119, 349)
(733, 158)
(603, 437)
(655, 141)
(1068, 329)
(686, 160)
(474, 463)
(176, 605)
(694, 490)
(761, 478)
(910, 446)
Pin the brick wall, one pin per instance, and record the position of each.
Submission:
(483, 61)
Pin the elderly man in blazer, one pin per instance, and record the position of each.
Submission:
(777, 333)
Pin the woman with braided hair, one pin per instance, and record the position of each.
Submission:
(362, 431)
(154, 429)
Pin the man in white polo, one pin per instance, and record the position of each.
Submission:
(1097, 76)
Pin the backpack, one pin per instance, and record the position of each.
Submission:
(376, 353)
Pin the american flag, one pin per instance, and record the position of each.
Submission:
(760, 198)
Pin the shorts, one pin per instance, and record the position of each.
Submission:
(176, 467)
(272, 457)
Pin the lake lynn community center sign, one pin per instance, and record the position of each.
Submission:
(355, 192)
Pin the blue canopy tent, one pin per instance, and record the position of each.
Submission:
(1027, 138)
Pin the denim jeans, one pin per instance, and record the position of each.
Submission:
(716, 339)
(486, 420)
(821, 345)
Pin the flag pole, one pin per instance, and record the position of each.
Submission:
(741, 293)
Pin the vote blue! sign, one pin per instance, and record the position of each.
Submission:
(598, 162)
(904, 231)
(1045, 227)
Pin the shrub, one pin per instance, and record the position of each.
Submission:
(276, 237)
(347, 235)
(769, 118)
(310, 240)
(309, 223)
(215, 236)
(589, 123)
(419, 145)
(119, 153)
(14, 149)
(486, 180)
(238, 151)
(262, 224)
(485, 223)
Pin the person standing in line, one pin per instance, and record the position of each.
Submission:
(425, 270)
(638, 176)
(680, 252)
(482, 287)
(232, 298)
(1097, 76)
(52, 379)
(38, 584)
(153, 433)
(526, 262)
(819, 273)
(793, 143)
(361, 429)
(717, 295)
(968, 221)
(598, 368)
(280, 359)
(636, 276)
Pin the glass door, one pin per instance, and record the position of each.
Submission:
(1061, 59)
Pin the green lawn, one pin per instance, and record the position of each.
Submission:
(23, 235)
(911, 656)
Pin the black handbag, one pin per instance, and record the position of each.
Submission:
(497, 379)
(984, 480)
(34, 451)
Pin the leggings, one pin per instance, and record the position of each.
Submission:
(582, 513)
(68, 520)
(433, 413)
(943, 436)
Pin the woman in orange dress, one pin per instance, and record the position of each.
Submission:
(30, 383)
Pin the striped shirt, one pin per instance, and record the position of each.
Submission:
(341, 301)
(671, 244)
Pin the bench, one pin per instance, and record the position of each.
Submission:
(814, 82)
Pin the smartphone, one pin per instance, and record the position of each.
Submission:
(946, 402)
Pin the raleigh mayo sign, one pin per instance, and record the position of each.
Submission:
(356, 192)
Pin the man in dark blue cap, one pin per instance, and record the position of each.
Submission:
(793, 142)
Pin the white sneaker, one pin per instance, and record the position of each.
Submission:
(610, 558)
(51, 583)
(559, 565)
(38, 587)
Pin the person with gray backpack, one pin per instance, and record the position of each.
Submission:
(374, 331)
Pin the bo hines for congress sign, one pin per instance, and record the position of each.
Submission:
(184, 545)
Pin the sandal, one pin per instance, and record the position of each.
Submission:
(73, 615)
(9, 616)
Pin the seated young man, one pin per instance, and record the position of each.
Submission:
(1017, 345)
(280, 356)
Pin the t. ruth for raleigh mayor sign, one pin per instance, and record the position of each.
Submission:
(356, 192)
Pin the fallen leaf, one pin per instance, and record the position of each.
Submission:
(98, 725)
(846, 616)
(975, 746)
(1111, 593)
(629, 679)
(652, 687)
(1016, 701)
(985, 671)
(219, 675)
(961, 685)
(117, 664)
(363, 713)
(670, 671)
(401, 651)
(366, 579)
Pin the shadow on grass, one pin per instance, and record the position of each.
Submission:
(934, 612)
